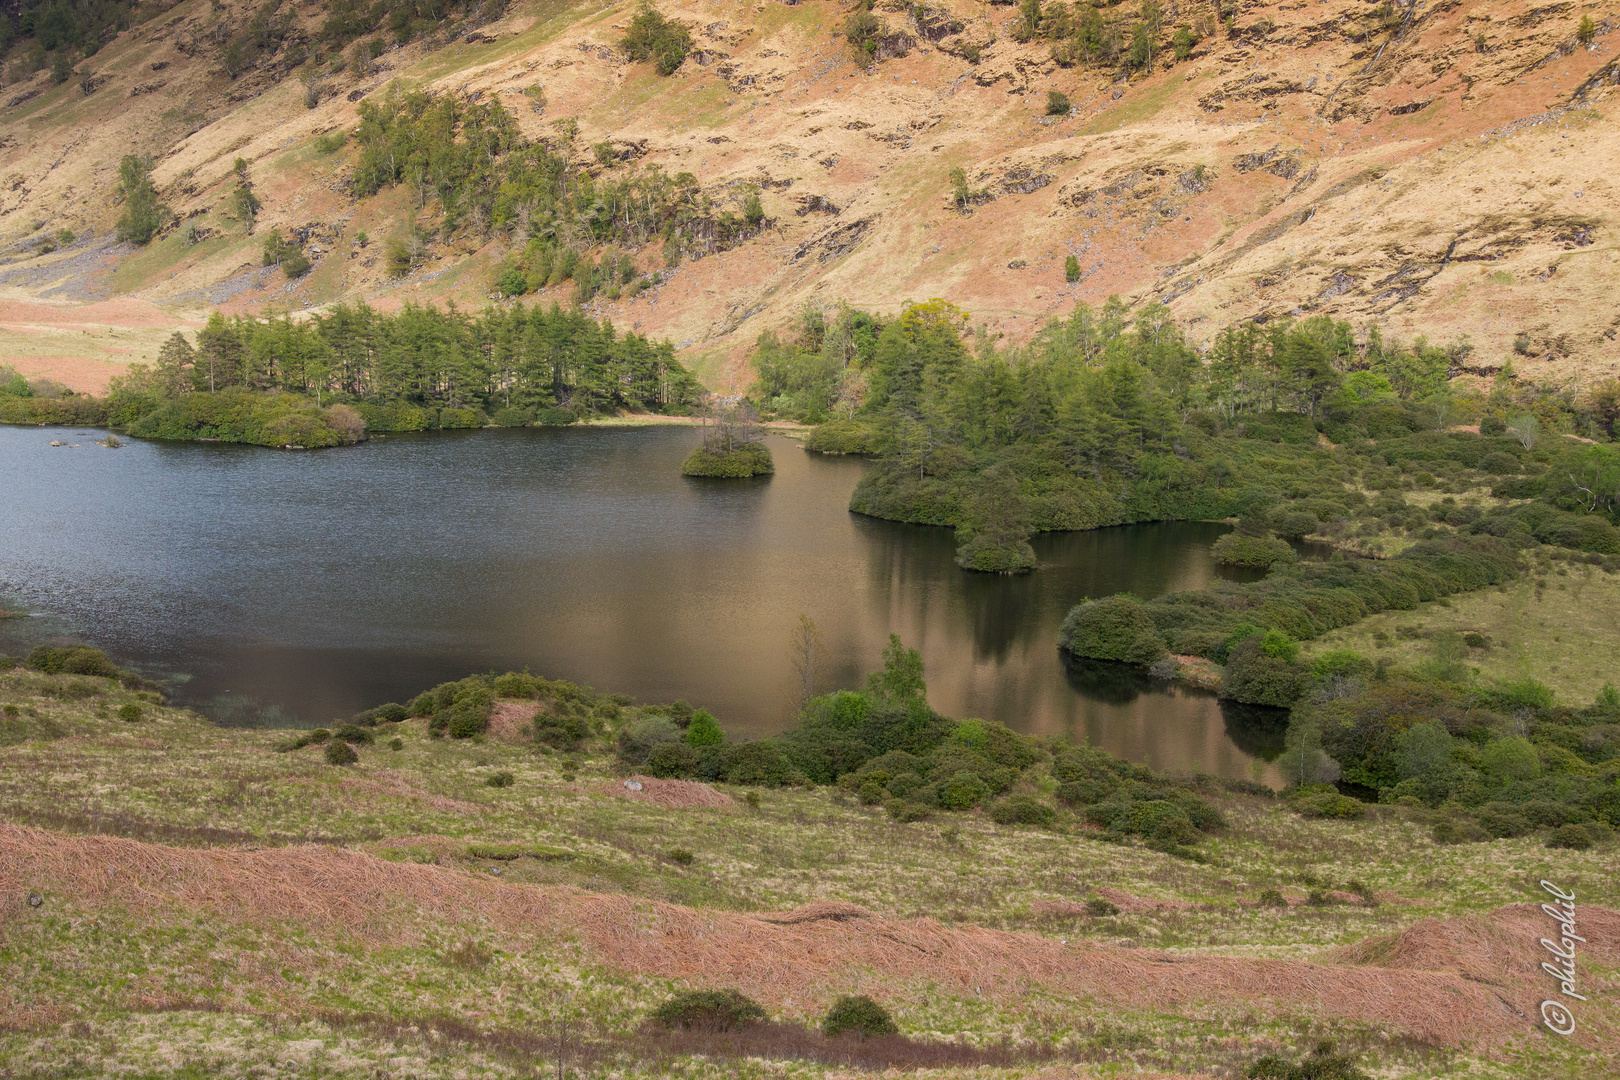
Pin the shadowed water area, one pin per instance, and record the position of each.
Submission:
(277, 587)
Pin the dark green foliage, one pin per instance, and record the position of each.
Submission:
(1273, 898)
(143, 213)
(352, 733)
(130, 712)
(680, 856)
(1255, 676)
(266, 380)
(1071, 269)
(993, 536)
(1056, 104)
(1098, 908)
(1021, 810)
(751, 459)
(461, 710)
(1321, 1064)
(653, 37)
(859, 1014)
(673, 759)
(501, 779)
(1259, 551)
(339, 752)
(1329, 805)
(708, 1010)
(1573, 837)
(703, 731)
(313, 737)
(840, 437)
(72, 660)
(1114, 628)
(391, 713)
(561, 731)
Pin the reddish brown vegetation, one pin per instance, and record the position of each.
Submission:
(1423, 984)
(671, 794)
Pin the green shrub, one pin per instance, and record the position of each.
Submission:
(390, 713)
(905, 810)
(560, 731)
(653, 37)
(1114, 628)
(1255, 676)
(749, 459)
(1263, 552)
(1573, 837)
(339, 752)
(72, 660)
(1328, 805)
(963, 791)
(841, 437)
(501, 779)
(1457, 831)
(1056, 104)
(708, 1010)
(1322, 1064)
(555, 417)
(130, 712)
(672, 760)
(1022, 810)
(859, 1014)
(703, 731)
(1503, 822)
(680, 856)
(1099, 908)
(1273, 898)
(352, 733)
(637, 741)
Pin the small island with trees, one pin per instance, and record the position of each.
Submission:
(733, 446)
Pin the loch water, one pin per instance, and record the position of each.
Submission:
(281, 588)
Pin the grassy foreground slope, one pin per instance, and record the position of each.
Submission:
(211, 902)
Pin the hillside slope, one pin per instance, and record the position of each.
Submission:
(1441, 169)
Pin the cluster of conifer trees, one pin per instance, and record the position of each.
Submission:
(507, 363)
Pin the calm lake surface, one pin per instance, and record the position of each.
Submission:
(279, 587)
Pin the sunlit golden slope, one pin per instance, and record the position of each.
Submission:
(1452, 177)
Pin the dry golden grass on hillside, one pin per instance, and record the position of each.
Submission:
(1318, 165)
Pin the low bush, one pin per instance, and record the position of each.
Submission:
(1322, 1064)
(1022, 810)
(1258, 675)
(501, 779)
(352, 733)
(1573, 837)
(750, 459)
(1327, 805)
(680, 856)
(561, 732)
(859, 1014)
(1099, 908)
(841, 437)
(461, 709)
(1263, 552)
(339, 752)
(1114, 628)
(708, 1010)
(1273, 898)
(130, 712)
(72, 660)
